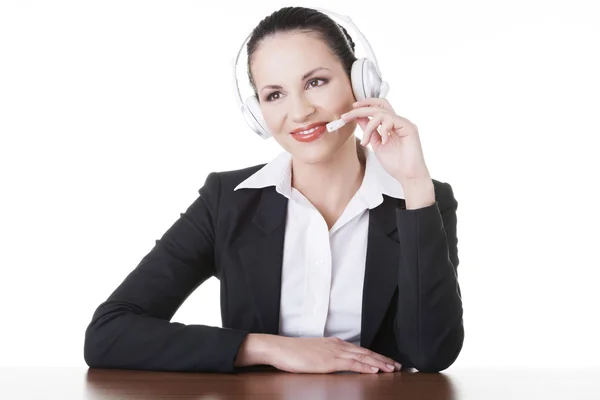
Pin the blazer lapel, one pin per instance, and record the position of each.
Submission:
(381, 269)
(262, 257)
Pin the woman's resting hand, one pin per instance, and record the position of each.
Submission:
(311, 355)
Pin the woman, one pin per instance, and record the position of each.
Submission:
(331, 257)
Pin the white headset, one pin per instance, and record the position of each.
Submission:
(365, 77)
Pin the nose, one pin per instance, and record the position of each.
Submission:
(301, 108)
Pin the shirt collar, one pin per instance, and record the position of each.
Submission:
(278, 173)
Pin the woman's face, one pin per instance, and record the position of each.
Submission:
(290, 100)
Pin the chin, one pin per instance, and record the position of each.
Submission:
(318, 152)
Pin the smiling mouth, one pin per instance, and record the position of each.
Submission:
(311, 135)
(312, 128)
(308, 131)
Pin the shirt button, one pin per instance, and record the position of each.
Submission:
(319, 262)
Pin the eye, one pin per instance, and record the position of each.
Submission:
(318, 79)
(270, 98)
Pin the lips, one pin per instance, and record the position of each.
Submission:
(310, 126)
(319, 131)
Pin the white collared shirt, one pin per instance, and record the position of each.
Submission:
(323, 269)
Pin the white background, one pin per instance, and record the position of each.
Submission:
(112, 114)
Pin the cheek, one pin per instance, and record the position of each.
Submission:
(273, 118)
(342, 109)
(335, 108)
(341, 105)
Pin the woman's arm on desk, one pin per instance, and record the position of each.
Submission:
(132, 328)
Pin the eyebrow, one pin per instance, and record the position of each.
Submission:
(306, 75)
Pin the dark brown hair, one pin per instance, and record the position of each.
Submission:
(306, 20)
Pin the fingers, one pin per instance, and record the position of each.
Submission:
(385, 136)
(361, 350)
(363, 112)
(370, 128)
(375, 141)
(350, 364)
(380, 125)
(384, 127)
(370, 361)
(386, 130)
(374, 101)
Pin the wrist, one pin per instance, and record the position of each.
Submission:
(418, 193)
(256, 349)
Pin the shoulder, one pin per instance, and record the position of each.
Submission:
(219, 184)
(226, 205)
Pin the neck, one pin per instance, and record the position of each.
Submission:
(331, 184)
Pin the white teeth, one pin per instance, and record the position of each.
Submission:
(308, 131)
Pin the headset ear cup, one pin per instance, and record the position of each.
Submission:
(385, 88)
(254, 118)
(356, 77)
(366, 82)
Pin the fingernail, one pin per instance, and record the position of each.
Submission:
(375, 369)
(398, 365)
(390, 366)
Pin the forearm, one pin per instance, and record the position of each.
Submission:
(120, 337)
(428, 323)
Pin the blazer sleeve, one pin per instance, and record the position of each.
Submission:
(132, 328)
(429, 325)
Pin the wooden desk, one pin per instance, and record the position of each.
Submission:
(454, 383)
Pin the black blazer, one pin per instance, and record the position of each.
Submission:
(411, 309)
